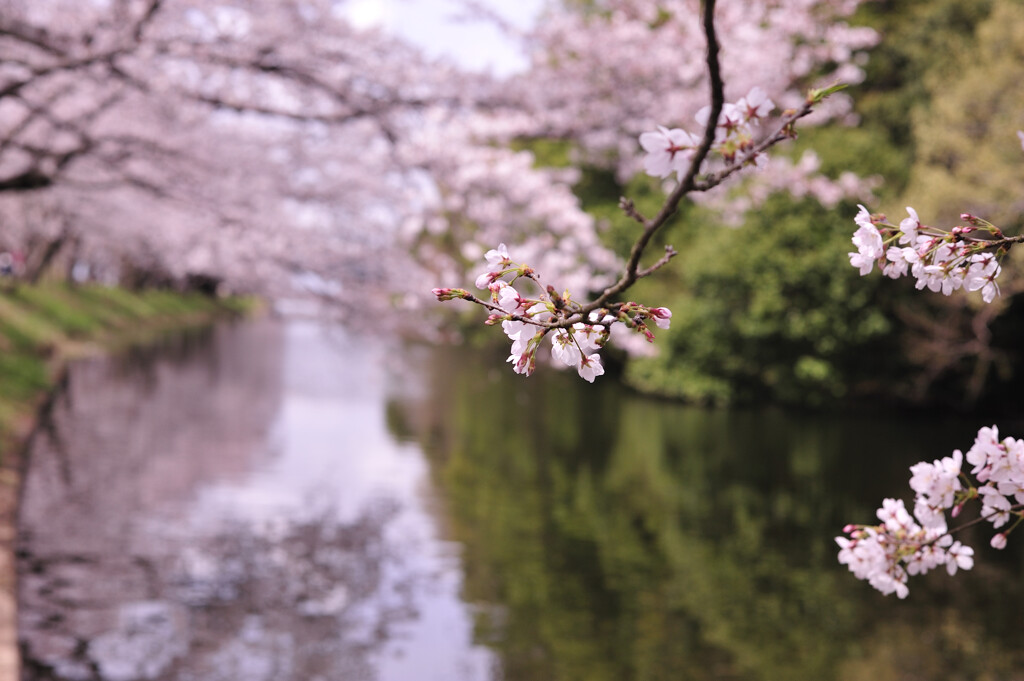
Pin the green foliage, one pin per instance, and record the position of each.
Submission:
(969, 157)
(919, 37)
(23, 329)
(862, 150)
(767, 310)
(549, 153)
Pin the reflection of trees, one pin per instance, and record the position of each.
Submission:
(621, 538)
(318, 586)
(120, 577)
(301, 600)
(96, 454)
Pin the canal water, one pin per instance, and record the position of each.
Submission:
(293, 501)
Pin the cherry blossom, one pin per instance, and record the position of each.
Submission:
(497, 257)
(564, 348)
(527, 320)
(981, 274)
(868, 241)
(941, 261)
(959, 556)
(249, 143)
(938, 482)
(908, 226)
(590, 367)
(662, 316)
(886, 555)
(668, 151)
(672, 150)
(755, 105)
(603, 78)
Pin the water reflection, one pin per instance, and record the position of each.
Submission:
(614, 537)
(271, 502)
(233, 507)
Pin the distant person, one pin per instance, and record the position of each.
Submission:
(6, 264)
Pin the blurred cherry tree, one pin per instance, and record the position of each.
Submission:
(267, 144)
(252, 142)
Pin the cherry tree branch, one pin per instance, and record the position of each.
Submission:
(1015, 510)
(1002, 242)
(686, 185)
(564, 313)
(784, 132)
(691, 181)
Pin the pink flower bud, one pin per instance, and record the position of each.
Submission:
(662, 316)
(956, 510)
(999, 541)
(849, 528)
(448, 293)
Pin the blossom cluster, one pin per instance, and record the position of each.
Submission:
(886, 555)
(577, 335)
(602, 78)
(940, 260)
(999, 464)
(671, 151)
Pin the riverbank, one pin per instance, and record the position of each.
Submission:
(41, 329)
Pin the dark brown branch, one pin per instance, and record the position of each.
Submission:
(146, 19)
(60, 67)
(688, 183)
(39, 38)
(662, 261)
(1013, 510)
(26, 181)
(1006, 241)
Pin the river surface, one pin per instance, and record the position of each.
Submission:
(290, 501)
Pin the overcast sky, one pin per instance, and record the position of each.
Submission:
(432, 25)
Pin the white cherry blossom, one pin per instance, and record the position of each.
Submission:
(940, 261)
(564, 348)
(590, 367)
(886, 554)
(755, 105)
(668, 151)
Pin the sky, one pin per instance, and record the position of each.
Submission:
(433, 25)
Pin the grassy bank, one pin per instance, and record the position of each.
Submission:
(41, 327)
